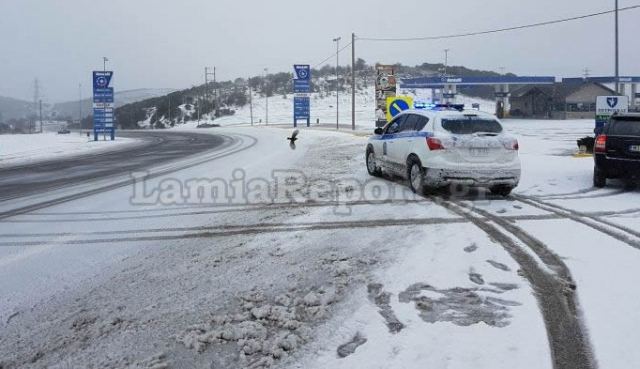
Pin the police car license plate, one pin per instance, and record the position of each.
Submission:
(634, 148)
(479, 151)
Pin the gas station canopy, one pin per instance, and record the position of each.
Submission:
(440, 82)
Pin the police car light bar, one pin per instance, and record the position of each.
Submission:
(423, 105)
(458, 107)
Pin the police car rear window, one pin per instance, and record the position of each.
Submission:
(626, 127)
(471, 125)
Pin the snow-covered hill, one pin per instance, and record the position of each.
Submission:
(11, 108)
(70, 108)
(323, 109)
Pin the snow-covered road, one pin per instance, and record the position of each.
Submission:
(28, 148)
(344, 271)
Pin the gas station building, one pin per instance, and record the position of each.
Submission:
(529, 96)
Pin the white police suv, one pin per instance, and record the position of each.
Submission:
(444, 145)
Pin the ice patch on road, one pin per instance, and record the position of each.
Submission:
(460, 306)
(476, 277)
(500, 266)
(471, 248)
(351, 346)
(382, 300)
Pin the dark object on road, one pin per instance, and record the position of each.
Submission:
(588, 143)
(294, 136)
(617, 149)
(351, 346)
(208, 125)
(293, 139)
(64, 132)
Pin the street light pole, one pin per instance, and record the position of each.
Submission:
(250, 100)
(104, 69)
(353, 81)
(338, 83)
(617, 53)
(266, 96)
(80, 107)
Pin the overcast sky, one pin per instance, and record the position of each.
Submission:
(158, 43)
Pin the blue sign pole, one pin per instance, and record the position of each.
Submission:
(103, 104)
(301, 90)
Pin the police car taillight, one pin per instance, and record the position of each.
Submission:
(601, 144)
(434, 144)
(512, 145)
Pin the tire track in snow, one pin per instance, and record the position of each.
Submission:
(224, 209)
(235, 230)
(568, 339)
(620, 233)
(586, 193)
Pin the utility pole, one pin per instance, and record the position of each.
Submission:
(206, 82)
(198, 105)
(104, 69)
(586, 73)
(36, 98)
(80, 107)
(40, 116)
(215, 93)
(266, 96)
(353, 81)
(617, 53)
(446, 61)
(250, 100)
(206, 88)
(337, 41)
(169, 113)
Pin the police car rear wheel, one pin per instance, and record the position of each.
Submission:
(372, 168)
(416, 176)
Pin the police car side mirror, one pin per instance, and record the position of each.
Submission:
(378, 131)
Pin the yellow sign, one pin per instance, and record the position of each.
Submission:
(398, 104)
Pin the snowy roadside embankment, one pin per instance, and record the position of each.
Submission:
(323, 110)
(24, 149)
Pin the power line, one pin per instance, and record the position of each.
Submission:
(540, 24)
(332, 56)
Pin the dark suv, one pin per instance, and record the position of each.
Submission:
(617, 149)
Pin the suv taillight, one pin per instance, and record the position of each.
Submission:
(601, 144)
(434, 144)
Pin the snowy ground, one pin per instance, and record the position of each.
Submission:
(23, 149)
(402, 282)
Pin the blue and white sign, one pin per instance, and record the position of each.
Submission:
(398, 106)
(301, 86)
(103, 104)
(303, 72)
(302, 107)
(606, 106)
(301, 90)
